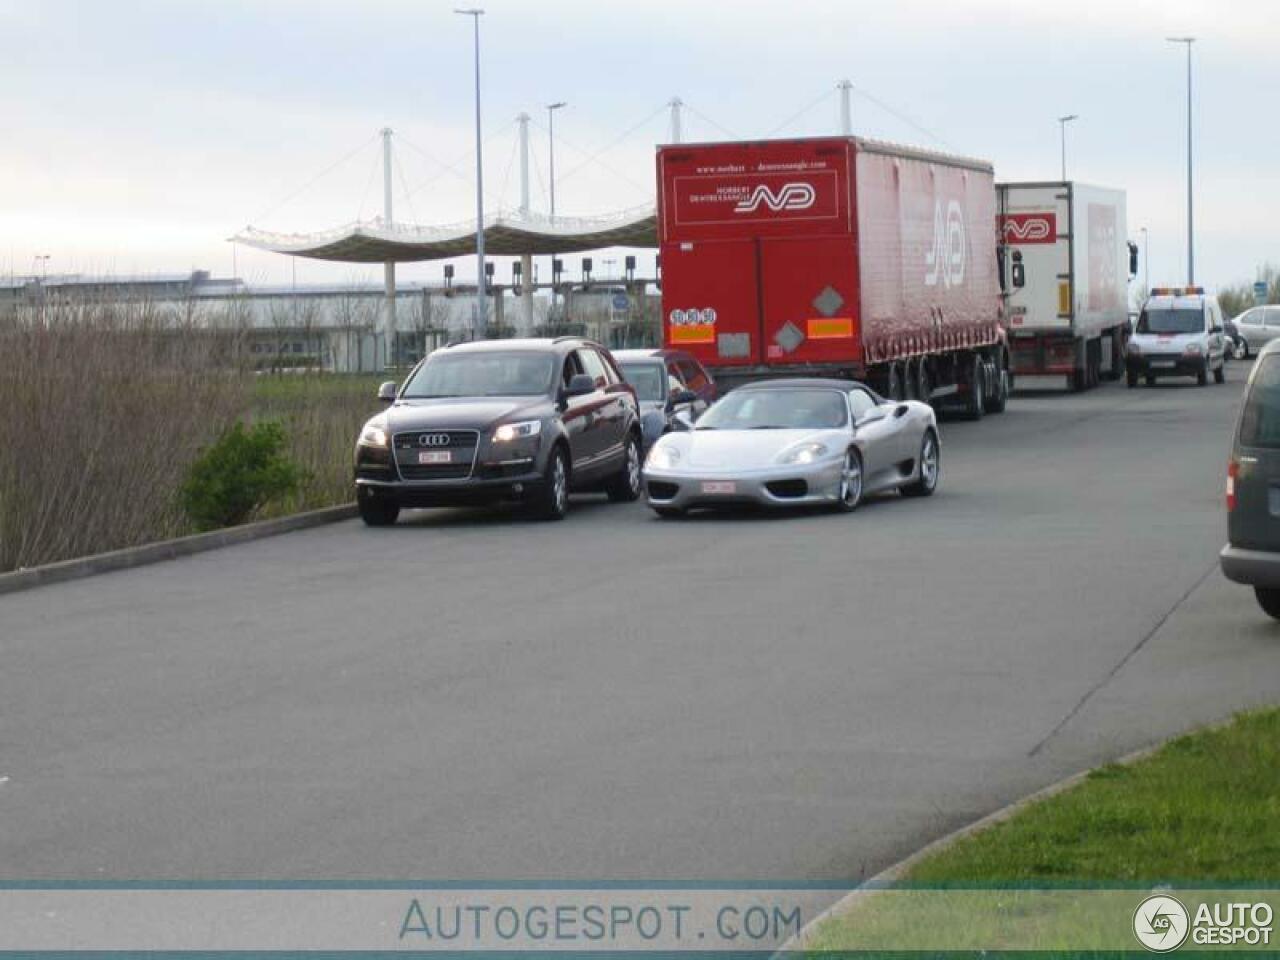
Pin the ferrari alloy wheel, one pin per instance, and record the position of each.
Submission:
(850, 482)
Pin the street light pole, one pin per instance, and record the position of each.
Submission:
(1062, 123)
(1191, 246)
(1146, 261)
(475, 13)
(551, 148)
(551, 162)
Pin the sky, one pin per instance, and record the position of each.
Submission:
(139, 136)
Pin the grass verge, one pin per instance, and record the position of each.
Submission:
(1203, 811)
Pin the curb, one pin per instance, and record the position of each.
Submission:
(80, 567)
(889, 876)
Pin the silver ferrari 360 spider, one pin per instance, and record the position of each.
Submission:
(795, 442)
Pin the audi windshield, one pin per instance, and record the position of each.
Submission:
(507, 374)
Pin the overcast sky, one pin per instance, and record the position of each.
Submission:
(139, 135)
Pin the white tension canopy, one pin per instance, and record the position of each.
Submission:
(506, 235)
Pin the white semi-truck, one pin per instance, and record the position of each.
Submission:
(1066, 262)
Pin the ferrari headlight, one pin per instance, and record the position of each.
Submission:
(374, 434)
(805, 453)
(517, 431)
(663, 457)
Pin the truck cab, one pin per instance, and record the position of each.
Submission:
(1179, 333)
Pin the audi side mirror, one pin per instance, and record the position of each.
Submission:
(387, 392)
(580, 385)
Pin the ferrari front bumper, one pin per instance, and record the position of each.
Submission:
(783, 485)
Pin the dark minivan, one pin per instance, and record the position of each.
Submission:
(483, 422)
(1252, 553)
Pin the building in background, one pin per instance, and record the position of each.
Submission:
(341, 327)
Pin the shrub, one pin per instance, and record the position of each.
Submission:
(104, 405)
(239, 474)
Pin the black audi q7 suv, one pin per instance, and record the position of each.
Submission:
(483, 422)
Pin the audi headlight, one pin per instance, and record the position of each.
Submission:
(517, 431)
(663, 457)
(1194, 349)
(374, 434)
(805, 453)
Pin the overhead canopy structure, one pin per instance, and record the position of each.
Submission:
(507, 235)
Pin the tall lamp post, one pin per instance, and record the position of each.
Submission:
(551, 148)
(1062, 123)
(1191, 247)
(1146, 261)
(475, 13)
(551, 162)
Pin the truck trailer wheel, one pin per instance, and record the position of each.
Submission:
(896, 390)
(1000, 390)
(976, 402)
(924, 382)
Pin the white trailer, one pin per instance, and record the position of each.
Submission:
(1066, 264)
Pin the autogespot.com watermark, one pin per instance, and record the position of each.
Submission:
(703, 921)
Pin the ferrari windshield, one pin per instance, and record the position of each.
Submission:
(511, 373)
(778, 409)
(1172, 320)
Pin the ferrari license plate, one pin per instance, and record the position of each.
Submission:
(719, 486)
(435, 456)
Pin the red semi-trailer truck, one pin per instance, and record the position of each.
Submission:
(835, 256)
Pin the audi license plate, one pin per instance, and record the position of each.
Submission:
(435, 456)
(719, 486)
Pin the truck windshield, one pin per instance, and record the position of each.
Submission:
(647, 378)
(1260, 418)
(498, 374)
(1172, 320)
(777, 409)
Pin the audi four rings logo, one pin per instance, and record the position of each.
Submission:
(790, 196)
(433, 440)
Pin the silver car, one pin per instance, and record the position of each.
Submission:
(1257, 327)
(794, 442)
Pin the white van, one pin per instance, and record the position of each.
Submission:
(1179, 334)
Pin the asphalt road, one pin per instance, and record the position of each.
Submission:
(469, 696)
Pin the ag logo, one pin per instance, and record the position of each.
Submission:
(946, 260)
(1160, 923)
(790, 196)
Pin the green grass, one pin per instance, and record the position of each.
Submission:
(1201, 812)
(321, 414)
(1205, 808)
